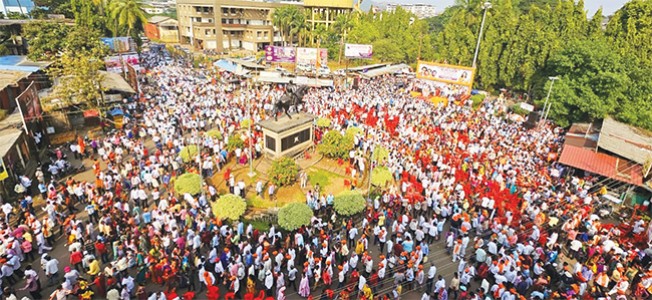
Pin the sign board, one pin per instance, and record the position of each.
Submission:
(119, 44)
(308, 57)
(527, 106)
(3, 171)
(358, 51)
(452, 74)
(30, 106)
(280, 54)
(114, 63)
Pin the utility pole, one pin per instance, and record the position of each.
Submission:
(486, 6)
(547, 103)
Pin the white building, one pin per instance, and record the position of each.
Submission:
(422, 11)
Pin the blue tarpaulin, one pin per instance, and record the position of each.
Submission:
(116, 112)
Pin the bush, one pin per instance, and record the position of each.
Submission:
(331, 144)
(380, 176)
(284, 171)
(235, 142)
(477, 100)
(214, 134)
(244, 124)
(188, 153)
(349, 203)
(380, 154)
(229, 206)
(294, 215)
(323, 122)
(349, 137)
(188, 183)
(517, 109)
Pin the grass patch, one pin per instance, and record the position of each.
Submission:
(322, 177)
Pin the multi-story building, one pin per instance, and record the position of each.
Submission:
(326, 11)
(16, 6)
(227, 24)
(422, 11)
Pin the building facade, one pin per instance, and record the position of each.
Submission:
(325, 12)
(163, 29)
(227, 24)
(422, 11)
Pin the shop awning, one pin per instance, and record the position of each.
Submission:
(602, 164)
(91, 113)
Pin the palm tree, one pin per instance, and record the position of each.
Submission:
(343, 24)
(279, 20)
(128, 13)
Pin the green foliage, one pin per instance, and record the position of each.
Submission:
(294, 215)
(516, 108)
(331, 144)
(188, 153)
(477, 100)
(245, 123)
(321, 177)
(284, 171)
(188, 183)
(235, 142)
(349, 203)
(45, 38)
(290, 20)
(380, 154)
(214, 134)
(128, 13)
(349, 139)
(380, 176)
(229, 206)
(323, 122)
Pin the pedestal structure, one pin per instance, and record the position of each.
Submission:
(287, 137)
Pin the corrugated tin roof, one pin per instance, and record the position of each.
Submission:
(8, 78)
(8, 137)
(367, 67)
(113, 81)
(629, 142)
(602, 164)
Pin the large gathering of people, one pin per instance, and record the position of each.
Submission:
(514, 223)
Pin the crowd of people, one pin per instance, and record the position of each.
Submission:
(511, 219)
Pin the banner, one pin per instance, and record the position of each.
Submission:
(280, 54)
(114, 63)
(358, 51)
(308, 57)
(446, 73)
(30, 104)
(3, 171)
(119, 44)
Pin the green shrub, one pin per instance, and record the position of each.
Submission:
(477, 100)
(294, 215)
(380, 154)
(517, 109)
(349, 138)
(380, 176)
(349, 203)
(215, 134)
(235, 142)
(229, 206)
(188, 153)
(331, 144)
(284, 171)
(244, 124)
(188, 183)
(323, 122)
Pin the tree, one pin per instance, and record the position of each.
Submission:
(128, 13)
(45, 39)
(188, 183)
(188, 153)
(630, 30)
(349, 203)
(80, 80)
(284, 171)
(294, 215)
(323, 122)
(234, 142)
(289, 20)
(380, 176)
(331, 144)
(229, 206)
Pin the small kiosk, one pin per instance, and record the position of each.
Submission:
(287, 137)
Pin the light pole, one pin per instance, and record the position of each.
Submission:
(486, 6)
(251, 139)
(547, 103)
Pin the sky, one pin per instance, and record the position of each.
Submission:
(608, 6)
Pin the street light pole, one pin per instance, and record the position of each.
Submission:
(486, 6)
(548, 103)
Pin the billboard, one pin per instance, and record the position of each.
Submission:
(446, 73)
(114, 63)
(119, 44)
(308, 57)
(358, 51)
(30, 104)
(280, 54)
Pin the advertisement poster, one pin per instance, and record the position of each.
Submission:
(308, 57)
(118, 44)
(445, 73)
(30, 104)
(280, 54)
(358, 51)
(114, 63)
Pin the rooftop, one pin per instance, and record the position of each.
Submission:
(8, 78)
(626, 141)
(21, 63)
(284, 123)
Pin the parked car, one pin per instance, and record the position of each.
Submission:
(340, 72)
(304, 67)
(283, 71)
(324, 72)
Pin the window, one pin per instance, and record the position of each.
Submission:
(257, 33)
(295, 139)
(270, 143)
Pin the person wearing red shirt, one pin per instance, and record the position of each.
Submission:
(76, 260)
